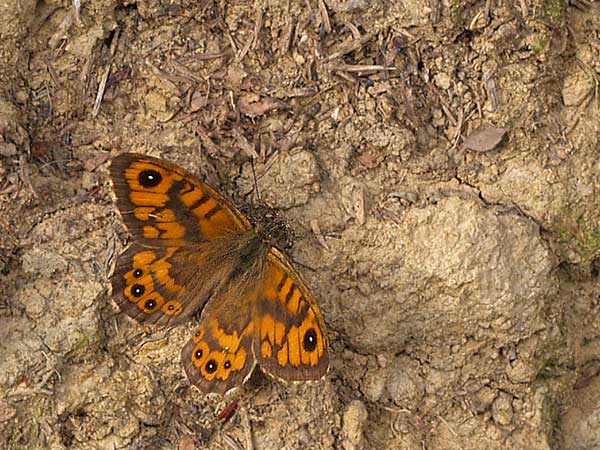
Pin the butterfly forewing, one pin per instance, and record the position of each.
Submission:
(291, 341)
(179, 225)
(163, 205)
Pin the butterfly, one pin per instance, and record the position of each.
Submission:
(193, 252)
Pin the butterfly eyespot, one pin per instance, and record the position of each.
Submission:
(310, 340)
(198, 353)
(227, 364)
(211, 366)
(150, 304)
(172, 308)
(149, 178)
(137, 290)
(138, 273)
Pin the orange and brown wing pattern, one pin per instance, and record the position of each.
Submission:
(290, 340)
(144, 287)
(177, 223)
(219, 357)
(163, 205)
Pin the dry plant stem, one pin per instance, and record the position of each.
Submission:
(249, 443)
(77, 7)
(53, 75)
(324, 16)
(102, 87)
(580, 110)
(316, 229)
(349, 46)
(208, 56)
(244, 51)
(436, 12)
(231, 443)
(592, 73)
(186, 73)
(24, 176)
(258, 24)
(358, 68)
(353, 29)
(490, 86)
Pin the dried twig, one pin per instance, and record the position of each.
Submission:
(77, 7)
(258, 24)
(245, 422)
(102, 87)
(316, 229)
(324, 16)
(350, 45)
(359, 68)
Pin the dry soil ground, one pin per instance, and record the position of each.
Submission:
(437, 162)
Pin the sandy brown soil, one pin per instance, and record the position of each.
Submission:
(457, 269)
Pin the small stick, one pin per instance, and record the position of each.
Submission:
(362, 68)
(324, 16)
(102, 87)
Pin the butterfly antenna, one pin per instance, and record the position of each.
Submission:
(255, 180)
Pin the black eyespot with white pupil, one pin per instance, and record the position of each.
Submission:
(138, 273)
(150, 304)
(137, 290)
(227, 364)
(310, 340)
(149, 178)
(198, 353)
(211, 366)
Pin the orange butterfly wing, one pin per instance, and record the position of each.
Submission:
(273, 321)
(219, 357)
(193, 248)
(291, 340)
(177, 223)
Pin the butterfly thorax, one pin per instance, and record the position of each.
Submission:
(251, 249)
(271, 226)
(237, 259)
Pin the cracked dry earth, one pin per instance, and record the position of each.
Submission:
(437, 165)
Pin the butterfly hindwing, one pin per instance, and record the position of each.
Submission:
(144, 287)
(219, 357)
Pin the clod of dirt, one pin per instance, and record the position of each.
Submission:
(438, 258)
(577, 88)
(355, 417)
(580, 421)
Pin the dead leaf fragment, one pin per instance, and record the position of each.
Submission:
(484, 138)
(254, 105)
(198, 101)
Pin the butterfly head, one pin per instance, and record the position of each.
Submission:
(272, 227)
